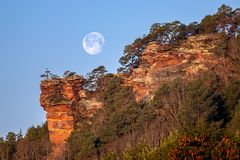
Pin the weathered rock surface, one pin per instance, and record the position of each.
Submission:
(63, 99)
(157, 66)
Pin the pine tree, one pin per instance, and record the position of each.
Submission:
(92, 78)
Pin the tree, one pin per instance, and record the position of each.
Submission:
(234, 49)
(68, 74)
(168, 33)
(224, 10)
(232, 96)
(3, 149)
(129, 60)
(11, 142)
(208, 24)
(93, 77)
(203, 108)
(19, 136)
(226, 22)
(81, 143)
(49, 75)
(35, 145)
(233, 127)
(192, 29)
(222, 46)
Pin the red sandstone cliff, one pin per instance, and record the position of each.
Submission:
(193, 56)
(65, 98)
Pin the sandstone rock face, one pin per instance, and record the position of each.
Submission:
(184, 61)
(63, 99)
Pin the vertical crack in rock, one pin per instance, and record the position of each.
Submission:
(63, 99)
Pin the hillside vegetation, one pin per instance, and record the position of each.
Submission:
(195, 118)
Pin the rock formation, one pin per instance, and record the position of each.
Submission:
(185, 61)
(64, 99)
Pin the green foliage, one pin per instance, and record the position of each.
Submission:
(221, 48)
(132, 55)
(81, 143)
(110, 156)
(93, 77)
(224, 10)
(232, 95)
(56, 97)
(121, 109)
(68, 74)
(234, 49)
(129, 60)
(141, 152)
(233, 127)
(120, 116)
(203, 107)
(208, 24)
(226, 20)
(162, 152)
(35, 145)
(115, 96)
(37, 133)
(187, 146)
(228, 46)
(54, 100)
(166, 34)
(88, 140)
(48, 75)
(11, 142)
(198, 111)
(144, 152)
(161, 92)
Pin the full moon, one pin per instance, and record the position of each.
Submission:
(93, 43)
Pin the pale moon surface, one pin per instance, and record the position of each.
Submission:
(93, 43)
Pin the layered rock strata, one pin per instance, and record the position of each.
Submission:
(64, 99)
(158, 65)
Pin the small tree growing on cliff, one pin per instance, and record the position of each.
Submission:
(131, 56)
(168, 33)
(68, 74)
(93, 77)
(47, 75)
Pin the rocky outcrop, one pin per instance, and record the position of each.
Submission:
(159, 65)
(64, 99)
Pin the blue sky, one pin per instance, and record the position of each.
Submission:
(35, 35)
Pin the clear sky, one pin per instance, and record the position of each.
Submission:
(39, 34)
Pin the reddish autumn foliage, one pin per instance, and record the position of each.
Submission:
(202, 147)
